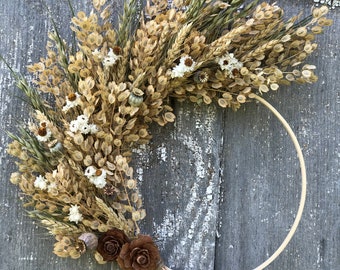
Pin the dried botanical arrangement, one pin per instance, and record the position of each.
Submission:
(331, 3)
(92, 106)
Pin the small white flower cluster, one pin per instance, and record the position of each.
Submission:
(111, 59)
(82, 125)
(186, 64)
(42, 183)
(74, 214)
(96, 176)
(332, 3)
(72, 103)
(229, 63)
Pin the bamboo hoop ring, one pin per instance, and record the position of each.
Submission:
(303, 182)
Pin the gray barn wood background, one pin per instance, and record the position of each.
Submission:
(221, 189)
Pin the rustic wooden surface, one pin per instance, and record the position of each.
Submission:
(221, 189)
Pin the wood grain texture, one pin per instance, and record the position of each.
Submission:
(221, 188)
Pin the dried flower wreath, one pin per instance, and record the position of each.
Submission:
(73, 159)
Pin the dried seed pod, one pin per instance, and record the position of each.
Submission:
(136, 216)
(77, 156)
(78, 138)
(109, 190)
(143, 133)
(306, 73)
(80, 246)
(73, 253)
(15, 178)
(201, 77)
(131, 184)
(301, 31)
(263, 88)
(90, 240)
(169, 117)
(290, 77)
(227, 96)
(136, 97)
(274, 86)
(241, 98)
(222, 102)
(88, 160)
(207, 99)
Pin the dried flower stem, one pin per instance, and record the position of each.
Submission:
(174, 52)
(33, 97)
(130, 204)
(127, 22)
(112, 216)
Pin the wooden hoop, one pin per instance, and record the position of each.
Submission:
(303, 182)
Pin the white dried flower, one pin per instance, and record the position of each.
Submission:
(93, 128)
(96, 176)
(74, 214)
(84, 129)
(99, 182)
(82, 125)
(72, 100)
(111, 59)
(40, 182)
(74, 126)
(43, 133)
(90, 171)
(229, 63)
(82, 119)
(331, 3)
(88, 128)
(46, 137)
(186, 64)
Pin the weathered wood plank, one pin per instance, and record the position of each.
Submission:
(261, 186)
(226, 185)
(182, 174)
